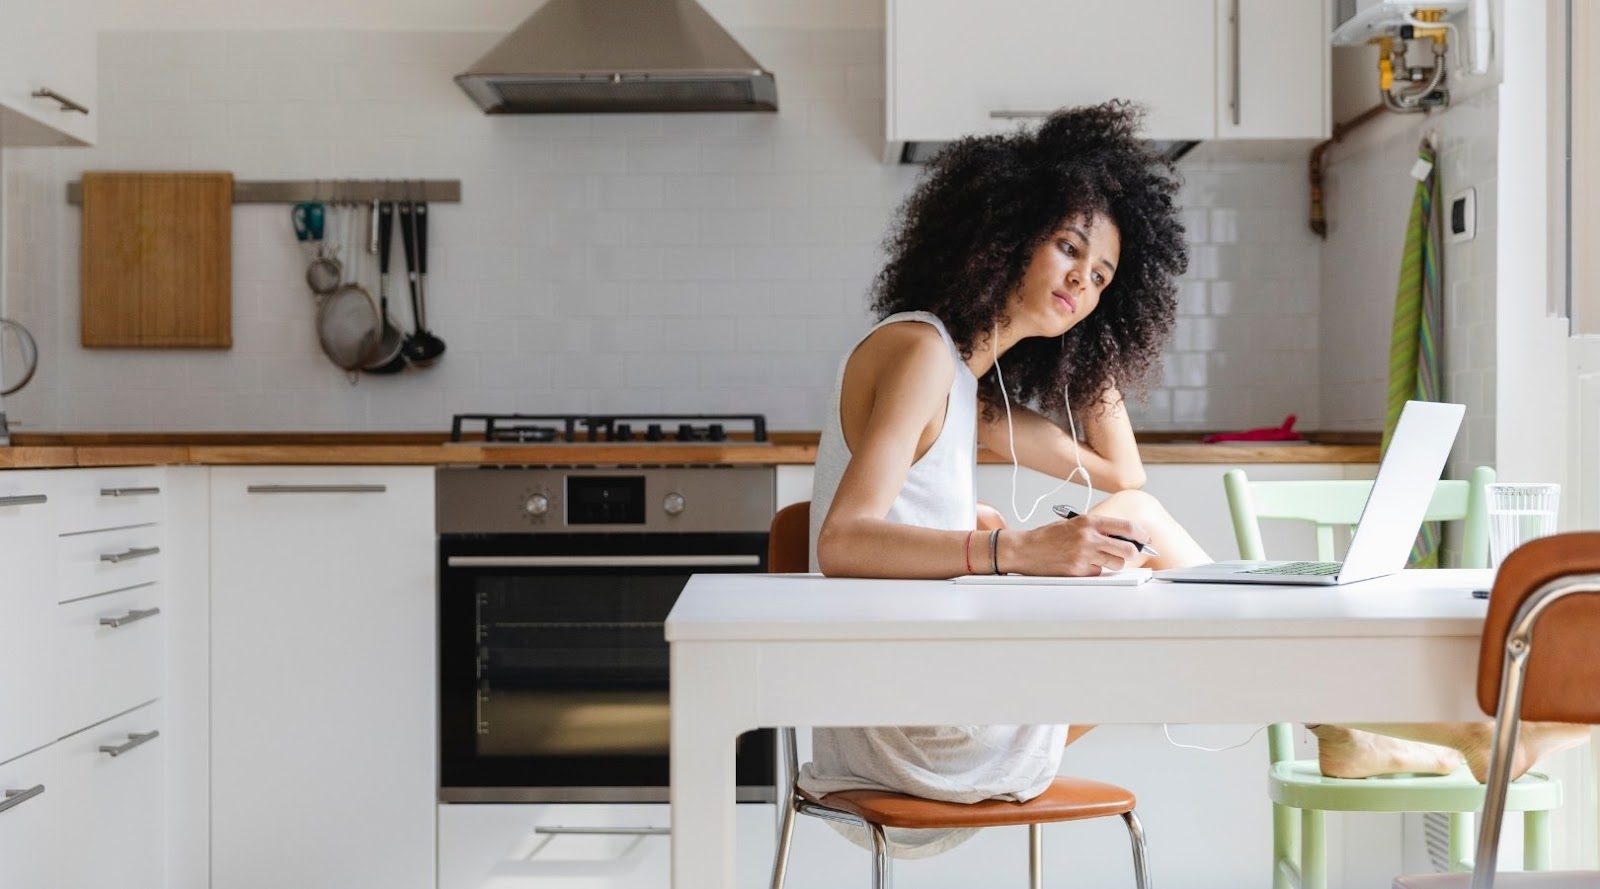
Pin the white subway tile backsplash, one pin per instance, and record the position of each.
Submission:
(695, 262)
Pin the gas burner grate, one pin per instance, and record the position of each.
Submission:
(611, 428)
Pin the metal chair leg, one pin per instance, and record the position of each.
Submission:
(881, 878)
(1035, 856)
(1141, 863)
(780, 860)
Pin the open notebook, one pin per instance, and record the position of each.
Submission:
(1126, 577)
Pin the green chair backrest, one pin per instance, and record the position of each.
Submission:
(1332, 503)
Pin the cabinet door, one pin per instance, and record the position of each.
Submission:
(47, 47)
(1272, 69)
(28, 679)
(30, 807)
(111, 806)
(953, 62)
(322, 683)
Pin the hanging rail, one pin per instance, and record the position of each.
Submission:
(294, 191)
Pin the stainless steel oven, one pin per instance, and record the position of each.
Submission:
(554, 586)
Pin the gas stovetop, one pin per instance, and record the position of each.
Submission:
(634, 429)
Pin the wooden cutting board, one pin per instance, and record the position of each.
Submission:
(157, 260)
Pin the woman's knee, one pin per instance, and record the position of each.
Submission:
(1134, 504)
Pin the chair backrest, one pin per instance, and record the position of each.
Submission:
(1332, 503)
(789, 540)
(1553, 585)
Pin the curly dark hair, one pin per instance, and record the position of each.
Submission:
(967, 233)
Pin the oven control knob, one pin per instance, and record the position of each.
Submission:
(537, 505)
(673, 503)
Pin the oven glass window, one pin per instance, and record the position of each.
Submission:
(573, 665)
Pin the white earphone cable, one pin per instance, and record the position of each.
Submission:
(1166, 731)
(1011, 440)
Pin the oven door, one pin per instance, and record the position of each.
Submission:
(553, 676)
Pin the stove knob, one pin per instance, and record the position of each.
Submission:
(623, 432)
(653, 432)
(715, 432)
(537, 505)
(686, 432)
(673, 503)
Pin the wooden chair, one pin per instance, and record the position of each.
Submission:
(1067, 799)
(1536, 662)
(1299, 792)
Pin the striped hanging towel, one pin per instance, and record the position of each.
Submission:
(1418, 323)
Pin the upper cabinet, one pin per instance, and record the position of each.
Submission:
(47, 73)
(1203, 70)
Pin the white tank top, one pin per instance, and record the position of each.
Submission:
(964, 763)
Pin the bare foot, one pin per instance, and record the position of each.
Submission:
(1347, 753)
(1534, 742)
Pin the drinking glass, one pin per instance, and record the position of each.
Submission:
(1519, 513)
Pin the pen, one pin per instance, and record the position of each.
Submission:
(1067, 512)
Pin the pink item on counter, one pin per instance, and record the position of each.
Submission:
(1266, 433)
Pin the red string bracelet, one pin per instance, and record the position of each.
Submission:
(969, 550)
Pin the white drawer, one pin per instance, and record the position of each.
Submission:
(28, 828)
(114, 497)
(112, 815)
(102, 561)
(522, 846)
(28, 687)
(109, 654)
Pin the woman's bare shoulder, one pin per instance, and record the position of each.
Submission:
(899, 359)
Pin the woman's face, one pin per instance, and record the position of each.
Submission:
(1066, 275)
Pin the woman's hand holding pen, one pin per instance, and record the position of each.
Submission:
(1079, 548)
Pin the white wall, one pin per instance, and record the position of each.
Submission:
(1369, 189)
(690, 263)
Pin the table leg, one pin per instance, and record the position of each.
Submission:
(707, 717)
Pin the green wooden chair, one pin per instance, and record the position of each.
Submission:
(1300, 794)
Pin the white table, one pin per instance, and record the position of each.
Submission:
(766, 650)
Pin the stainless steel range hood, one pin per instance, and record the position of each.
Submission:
(584, 56)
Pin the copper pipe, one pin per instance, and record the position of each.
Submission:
(1319, 223)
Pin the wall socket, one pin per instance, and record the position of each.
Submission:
(1462, 215)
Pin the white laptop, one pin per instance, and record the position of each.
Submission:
(1389, 522)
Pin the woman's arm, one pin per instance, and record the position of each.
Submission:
(895, 388)
(1109, 452)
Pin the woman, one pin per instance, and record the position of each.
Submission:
(1052, 251)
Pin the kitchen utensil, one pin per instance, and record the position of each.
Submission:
(19, 358)
(422, 348)
(308, 218)
(157, 260)
(390, 357)
(349, 325)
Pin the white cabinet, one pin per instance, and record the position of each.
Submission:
(111, 788)
(322, 683)
(47, 47)
(30, 797)
(957, 68)
(579, 846)
(1273, 62)
(27, 612)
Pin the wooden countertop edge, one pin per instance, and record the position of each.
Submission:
(60, 456)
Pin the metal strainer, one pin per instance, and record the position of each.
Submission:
(349, 327)
(19, 358)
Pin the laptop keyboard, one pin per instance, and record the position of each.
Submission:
(1315, 569)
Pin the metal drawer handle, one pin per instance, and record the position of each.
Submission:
(602, 561)
(66, 103)
(18, 797)
(133, 616)
(23, 500)
(133, 552)
(607, 831)
(127, 492)
(134, 740)
(317, 489)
